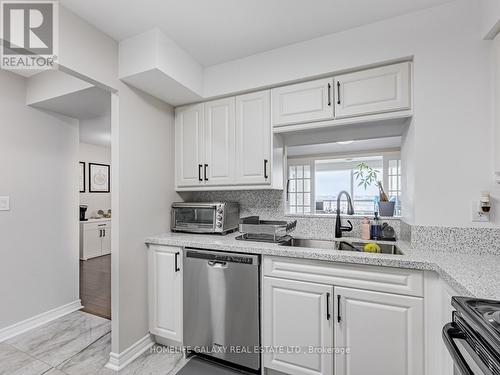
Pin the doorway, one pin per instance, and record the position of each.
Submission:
(90, 106)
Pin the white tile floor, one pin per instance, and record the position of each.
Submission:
(76, 344)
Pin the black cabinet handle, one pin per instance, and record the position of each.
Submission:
(205, 172)
(199, 172)
(100, 233)
(329, 95)
(338, 92)
(104, 232)
(265, 168)
(177, 269)
(339, 317)
(327, 306)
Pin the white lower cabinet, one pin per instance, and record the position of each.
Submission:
(382, 332)
(326, 307)
(297, 314)
(95, 238)
(165, 292)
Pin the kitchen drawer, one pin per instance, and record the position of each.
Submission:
(97, 225)
(383, 279)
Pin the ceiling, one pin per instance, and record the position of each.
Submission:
(92, 106)
(340, 149)
(216, 31)
(82, 104)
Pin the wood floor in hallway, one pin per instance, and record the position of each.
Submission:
(95, 286)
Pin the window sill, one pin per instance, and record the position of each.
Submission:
(343, 216)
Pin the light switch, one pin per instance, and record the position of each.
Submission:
(4, 203)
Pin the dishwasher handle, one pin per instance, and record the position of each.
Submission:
(217, 264)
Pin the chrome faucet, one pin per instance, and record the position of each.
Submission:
(350, 211)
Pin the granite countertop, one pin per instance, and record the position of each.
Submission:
(468, 274)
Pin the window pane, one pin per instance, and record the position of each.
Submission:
(300, 200)
(300, 185)
(307, 171)
(291, 186)
(307, 185)
(291, 173)
(307, 199)
(291, 199)
(292, 209)
(307, 209)
(299, 171)
(300, 209)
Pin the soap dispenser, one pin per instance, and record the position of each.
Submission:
(365, 229)
(376, 228)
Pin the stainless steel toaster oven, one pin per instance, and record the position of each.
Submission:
(202, 217)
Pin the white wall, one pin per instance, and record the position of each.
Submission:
(146, 192)
(86, 51)
(39, 235)
(452, 158)
(95, 201)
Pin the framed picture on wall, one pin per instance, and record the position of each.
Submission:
(82, 177)
(99, 178)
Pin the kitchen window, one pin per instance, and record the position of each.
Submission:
(314, 183)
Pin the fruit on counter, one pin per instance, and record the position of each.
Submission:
(372, 248)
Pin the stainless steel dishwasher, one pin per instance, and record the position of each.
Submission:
(222, 306)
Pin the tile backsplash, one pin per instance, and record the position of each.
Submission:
(268, 204)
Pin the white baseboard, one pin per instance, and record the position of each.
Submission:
(118, 361)
(37, 320)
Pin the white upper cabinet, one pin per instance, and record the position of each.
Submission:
(253, 138)
(372, 91)
(303, 102)
(298, 314)
(189, 150)
(384, 333)
(218, 168)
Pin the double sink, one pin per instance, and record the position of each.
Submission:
(341, 245)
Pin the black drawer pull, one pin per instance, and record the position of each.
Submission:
(205, 172)
(329, 95)
(338, 92)
(327, 306)
(199, 172)
(265, 168)
(176, 266)
(339, 317)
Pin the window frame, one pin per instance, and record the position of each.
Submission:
(311, 161)
(312, 169)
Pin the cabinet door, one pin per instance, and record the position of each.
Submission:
(296, 314)
(372, 91)
(219, 142)
(303, 102)
(189, 145)
(383, 332)
(106, 240)
(165, 293)
(92, 243)
(253, 138)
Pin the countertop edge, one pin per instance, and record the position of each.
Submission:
(408, 261)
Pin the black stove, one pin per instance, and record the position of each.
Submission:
(473, 338)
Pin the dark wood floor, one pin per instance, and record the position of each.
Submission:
(95, 286)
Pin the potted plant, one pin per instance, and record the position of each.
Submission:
(367, 176)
